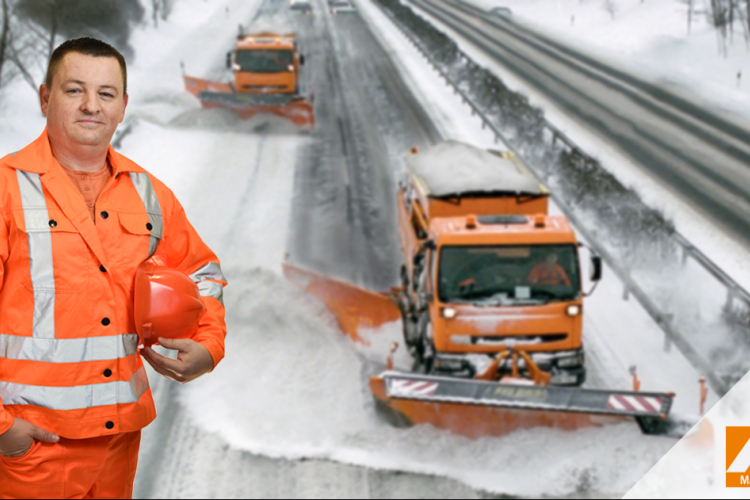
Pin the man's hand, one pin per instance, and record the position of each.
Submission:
(17, 440)
(193, 360)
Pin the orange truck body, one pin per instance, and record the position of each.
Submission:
(548, 331)
(484, 365)
(265, 67)
(277, 82)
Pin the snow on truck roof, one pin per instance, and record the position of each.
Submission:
(453, 167)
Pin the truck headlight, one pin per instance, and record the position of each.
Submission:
(449, 313)
(449, 364)
(573, 310)
(570, 361)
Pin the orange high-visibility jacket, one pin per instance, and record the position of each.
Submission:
(68, 345)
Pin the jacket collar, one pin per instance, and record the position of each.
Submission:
(37, 158)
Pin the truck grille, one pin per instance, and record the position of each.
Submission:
(520, 340)
(263, 87)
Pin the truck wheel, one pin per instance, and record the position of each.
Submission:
(427, 347)
(404, 276)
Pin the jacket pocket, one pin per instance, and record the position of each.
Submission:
(60, 260)
(34, 444)
(137, 241)
(36, 474)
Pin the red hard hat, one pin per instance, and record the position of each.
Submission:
(167, 302)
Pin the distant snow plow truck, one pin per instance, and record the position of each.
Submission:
(265, 63)
(491, 305)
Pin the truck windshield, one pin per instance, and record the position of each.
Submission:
(265, 61)
(509, 275)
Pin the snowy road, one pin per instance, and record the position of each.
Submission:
(344, 203)
(699, 155)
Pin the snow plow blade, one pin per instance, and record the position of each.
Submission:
(295, 108)
(474, 408)
(353, 307)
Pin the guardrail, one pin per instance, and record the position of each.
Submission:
(663, 319)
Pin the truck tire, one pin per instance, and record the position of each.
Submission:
(404, 276)
(425, 346)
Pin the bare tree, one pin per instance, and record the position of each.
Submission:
(155, 7)
(4, 35)
(611, 7)
(160, 9)
(690, 7)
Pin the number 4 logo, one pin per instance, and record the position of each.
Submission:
(738, 457)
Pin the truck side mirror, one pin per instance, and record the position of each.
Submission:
(428, 245)
(229, 60)
(302, 59)
(596, 268)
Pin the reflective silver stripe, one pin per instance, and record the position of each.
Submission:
(212, 289)
(68, 350)
(211, 271)
(139, 383)
(68, 398)
(39, 235)
(142, 183)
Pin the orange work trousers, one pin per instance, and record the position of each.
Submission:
(102, 467)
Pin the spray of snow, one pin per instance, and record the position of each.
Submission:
(378, 345)
(293, 387)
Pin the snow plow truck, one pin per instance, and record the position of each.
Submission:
(491, 305)
(266, 64)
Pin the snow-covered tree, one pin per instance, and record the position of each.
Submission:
(109, 20)
(32, 29)
(160, 9)
(611, 7)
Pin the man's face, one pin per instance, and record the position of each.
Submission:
(552, 259)
(86, 101)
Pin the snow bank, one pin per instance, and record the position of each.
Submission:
(452, 167)
(293, 387)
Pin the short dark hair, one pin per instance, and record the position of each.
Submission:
(89, 47)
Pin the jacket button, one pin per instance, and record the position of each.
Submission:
(107, 373)
(104, 214)
(109, 425)
(149, 226)
(103, 269)
(106, 321)
(53, 223)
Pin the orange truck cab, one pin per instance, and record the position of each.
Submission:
(266, 61)
(487, 270)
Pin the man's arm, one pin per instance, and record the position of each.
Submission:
(6, 419)
(186, 252)
(16, 435)
(534, 275)
(561, 272)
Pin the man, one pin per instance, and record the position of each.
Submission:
(76, 220)
(549, 273)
